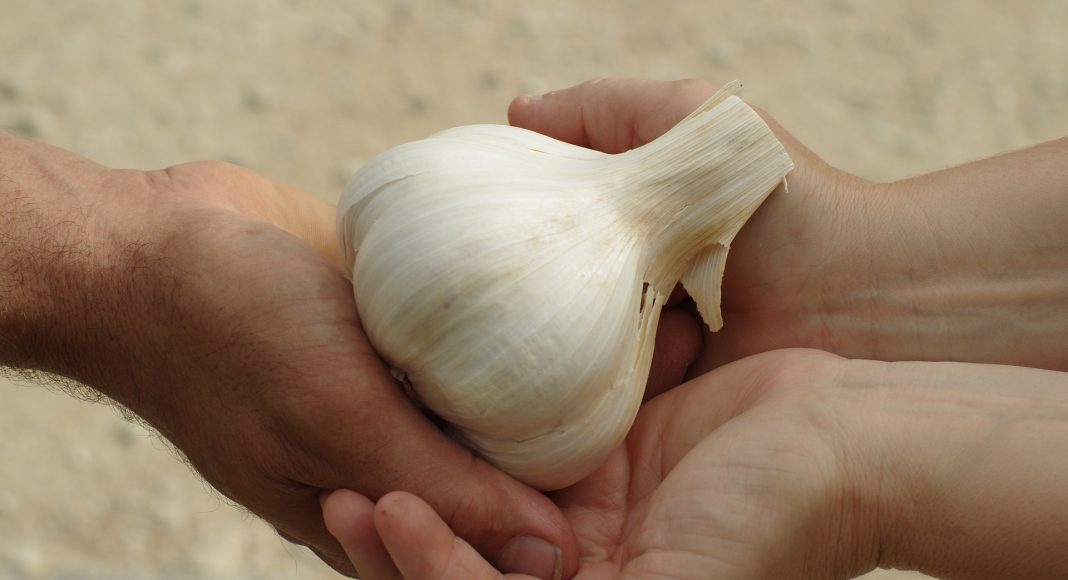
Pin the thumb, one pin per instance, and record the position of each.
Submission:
(609, 115)
(515, 527)
(374, 441)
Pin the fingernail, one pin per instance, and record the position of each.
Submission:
(530, 99)
(531, 556)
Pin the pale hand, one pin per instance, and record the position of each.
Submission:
(728, 476)
(966, 264)
(794, 464)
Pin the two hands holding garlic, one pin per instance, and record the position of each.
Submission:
(782, 463)
(766, 463)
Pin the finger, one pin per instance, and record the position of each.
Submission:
(423, 546)
(374, 441)
(678, 343)
(509, 519)
(350, 518)
(557, 115)
(304, 527)
(517, 528)
(282, 205)
(309, 218)
(611, 115)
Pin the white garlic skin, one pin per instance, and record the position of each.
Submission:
(517, 282)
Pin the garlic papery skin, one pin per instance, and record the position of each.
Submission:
(517, 281)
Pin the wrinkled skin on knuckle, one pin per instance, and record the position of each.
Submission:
(691, 88)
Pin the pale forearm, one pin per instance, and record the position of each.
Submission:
(967, 264)
(970, 464)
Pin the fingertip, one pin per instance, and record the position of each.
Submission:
(516, 109)
(417, 539)
(531, 556)
(397, 509)
(349, 517)
(342, 509)
(520, 108)
(396, 500)
(557, 114)
(480, 503)
(423, 546)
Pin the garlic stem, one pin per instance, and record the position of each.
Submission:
(699, 183)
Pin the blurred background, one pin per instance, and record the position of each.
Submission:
(307, 91)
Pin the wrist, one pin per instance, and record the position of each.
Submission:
(896, 432)
(849, 542)
(67, 236)
(808, 262)
(962, 465)
(901, 274)
(972, 268)
(941, 267)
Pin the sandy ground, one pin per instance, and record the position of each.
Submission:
(307, 91)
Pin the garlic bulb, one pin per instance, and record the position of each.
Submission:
(515, 282)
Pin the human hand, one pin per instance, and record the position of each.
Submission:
(770, 296)
(794, 464)
(961, 265)
(737, 474)
(185, 295)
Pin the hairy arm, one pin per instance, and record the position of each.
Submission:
(47, 263)
(207, 300)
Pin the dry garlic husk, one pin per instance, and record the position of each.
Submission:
(516, 281)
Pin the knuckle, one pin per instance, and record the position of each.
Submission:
(798, 368)
(586, 89)
(691, 86)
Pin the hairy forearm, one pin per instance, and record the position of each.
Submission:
(102, 276)
(66, 240)
(44, 227)
(970, 465)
